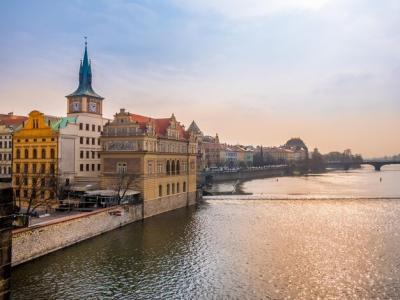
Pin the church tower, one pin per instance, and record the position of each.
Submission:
(85, 99)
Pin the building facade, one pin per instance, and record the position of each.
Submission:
(212, 149)
(80, 137)
(35, 161)
(157, 156)
(8, 124)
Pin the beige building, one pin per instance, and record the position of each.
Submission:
(155, 157)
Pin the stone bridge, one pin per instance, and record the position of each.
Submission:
(377, 164)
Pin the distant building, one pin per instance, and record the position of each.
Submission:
(294, 150)
(8, 124)
(157, 155)
(211, 147)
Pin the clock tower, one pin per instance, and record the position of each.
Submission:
(85, 99)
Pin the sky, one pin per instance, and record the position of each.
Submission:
(254, 71)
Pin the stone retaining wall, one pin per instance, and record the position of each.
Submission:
(41, 239)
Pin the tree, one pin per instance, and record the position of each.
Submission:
(316, 163)
(43, 189)
(124, 183)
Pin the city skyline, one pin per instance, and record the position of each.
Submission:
(255, 74)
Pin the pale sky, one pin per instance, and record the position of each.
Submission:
(254, 71)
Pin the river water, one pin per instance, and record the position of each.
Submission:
(335, 236)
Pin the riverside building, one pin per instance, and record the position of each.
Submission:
(8, 124)
(157, 157)
(35, 160)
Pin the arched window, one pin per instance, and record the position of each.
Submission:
(184, 186)
(18, 154)
(168, 168)
(34, 154)
(160, 190)
(43, 153)
(178, 168)
(168, 189)
(177, 188)
(173, 188)
(173, 167)
(26, 153)
(52, 153)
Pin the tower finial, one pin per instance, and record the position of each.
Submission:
(85, 41)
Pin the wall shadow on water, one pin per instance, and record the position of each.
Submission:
(112, 264)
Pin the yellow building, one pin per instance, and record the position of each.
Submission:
(35, 161)
(159, 156)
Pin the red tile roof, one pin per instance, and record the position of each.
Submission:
(12, 120)
(160, 125)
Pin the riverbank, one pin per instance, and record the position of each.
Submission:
(57, 233)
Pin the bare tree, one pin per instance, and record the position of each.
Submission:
(124, 183)
(44, 188)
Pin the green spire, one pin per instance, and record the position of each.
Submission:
(85, 78)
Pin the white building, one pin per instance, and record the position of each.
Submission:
(80, 132)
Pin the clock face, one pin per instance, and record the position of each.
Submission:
(92, 107)
(76, 106)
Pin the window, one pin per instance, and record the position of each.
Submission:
(93, 141)
(52, 153)
(81, 167)
(52, 169)
(122, 167)
(93, 153)
(34, 168)
(80, 126)
(168, 189)
(98, 154)
(93, 127)
(35, 123)
(42, 182)
(25, 168)
(87, 168)
(34, 154)
(98, 142)
(178, 167)
(42, 168)
(81, 154)
(87, 127)
(160, 190)
(99, 128)
(25, 193)
(177, 188)
(17, 193)
(92, 167)
(149, 167)
(98, 167)
(168, 168)
(43, 153)
(18, 154)
(87, 154)
(87, 141)
(26, 153)
(81, 140)
(184, 186)
(173, 188)
(1, 144)
(173, 167)
(17, 181)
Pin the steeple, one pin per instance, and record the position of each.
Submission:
(85, 78)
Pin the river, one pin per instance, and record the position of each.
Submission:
(334, 235)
